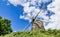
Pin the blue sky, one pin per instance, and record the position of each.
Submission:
(12, 13)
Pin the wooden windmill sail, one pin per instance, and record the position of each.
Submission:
(36, 25)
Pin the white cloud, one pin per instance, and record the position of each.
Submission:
(32, 10)
(14, 2)
(55, 18)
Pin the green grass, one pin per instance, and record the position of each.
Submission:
(36, 33)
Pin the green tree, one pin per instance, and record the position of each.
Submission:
(5, 26)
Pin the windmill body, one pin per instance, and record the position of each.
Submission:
(37, 25)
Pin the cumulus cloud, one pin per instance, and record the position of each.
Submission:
(50, 10)
(55, 7)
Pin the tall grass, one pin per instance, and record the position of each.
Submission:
(36, 33)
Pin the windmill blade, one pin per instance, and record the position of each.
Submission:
(29, 17)
(37, 14)
(27, 26)
(48, 21)
(45, 21)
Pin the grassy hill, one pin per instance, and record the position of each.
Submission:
(37, 33)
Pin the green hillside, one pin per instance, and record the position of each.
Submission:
(37, 33)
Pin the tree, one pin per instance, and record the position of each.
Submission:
(5, 26)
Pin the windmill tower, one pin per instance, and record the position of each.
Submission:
(36, 24)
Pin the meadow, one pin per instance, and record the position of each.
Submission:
(34, 33)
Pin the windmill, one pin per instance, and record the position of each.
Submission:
(36, 24)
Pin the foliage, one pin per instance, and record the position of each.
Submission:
(5, 26)
(36, 33)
